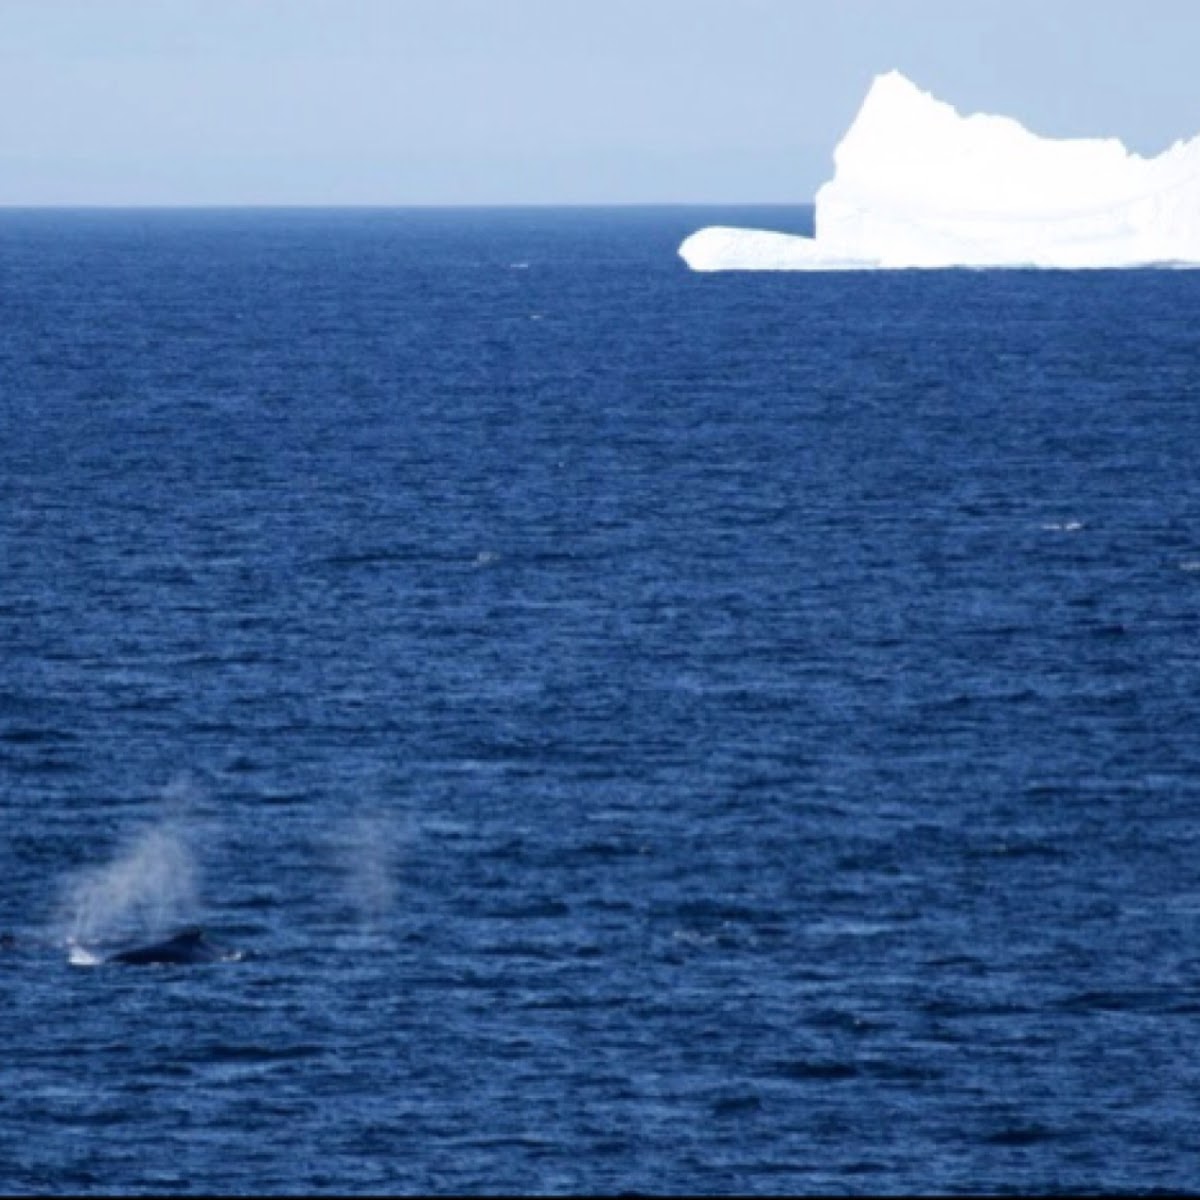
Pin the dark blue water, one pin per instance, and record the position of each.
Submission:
(647, 731)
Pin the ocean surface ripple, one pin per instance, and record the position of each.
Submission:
(647, 732)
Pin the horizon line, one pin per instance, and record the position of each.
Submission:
(150, 206)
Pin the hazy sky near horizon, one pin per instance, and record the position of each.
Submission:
(541, 101)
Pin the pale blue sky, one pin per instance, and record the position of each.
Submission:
(540, 101)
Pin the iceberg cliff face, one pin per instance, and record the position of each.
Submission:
(918, 185)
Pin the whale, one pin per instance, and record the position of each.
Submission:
(184, 948)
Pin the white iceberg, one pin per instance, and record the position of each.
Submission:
(917, 185)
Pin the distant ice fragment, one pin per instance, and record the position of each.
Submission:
(917, 185)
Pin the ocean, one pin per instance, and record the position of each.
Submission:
(635, 731)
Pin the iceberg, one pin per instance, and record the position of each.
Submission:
(916, 184)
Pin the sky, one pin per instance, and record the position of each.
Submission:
(393, 102)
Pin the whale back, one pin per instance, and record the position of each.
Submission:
(190, 945)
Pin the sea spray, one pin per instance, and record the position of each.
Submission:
(150, 887)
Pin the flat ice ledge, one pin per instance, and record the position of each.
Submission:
(726, 248)
(723, 248)
(918, 185)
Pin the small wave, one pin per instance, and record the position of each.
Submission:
(81, 956)
(735, 1106)
(1023, 1135)
(229, 1052)
(825, 1071)
(27, 736)
(534, 910)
